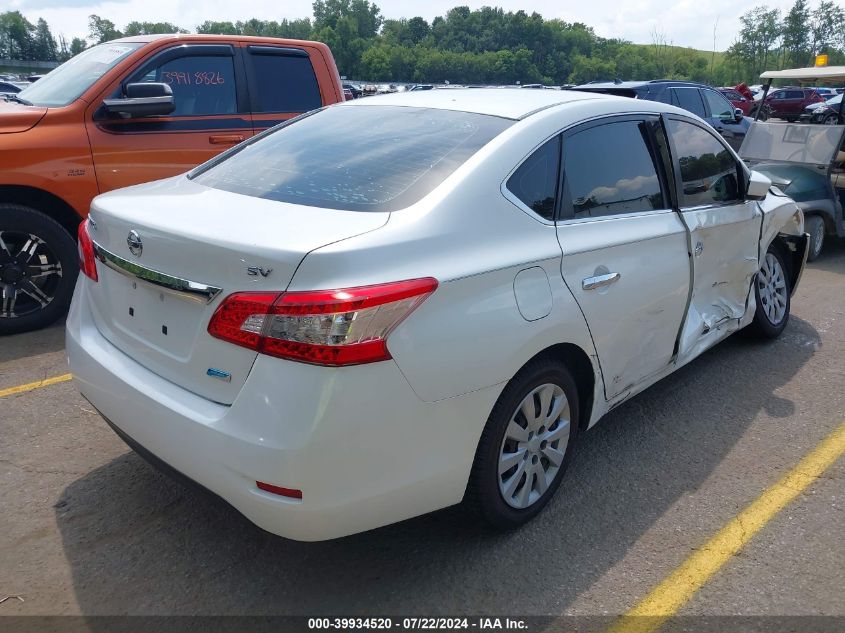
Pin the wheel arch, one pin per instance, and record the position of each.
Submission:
(578, 362)
(44, 202)
(794, 249)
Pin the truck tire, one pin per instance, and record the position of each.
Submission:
(814, 226)
(38, 269)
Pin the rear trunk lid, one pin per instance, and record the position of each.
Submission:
(169, 252)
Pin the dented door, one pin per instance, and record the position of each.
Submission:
(723, 231)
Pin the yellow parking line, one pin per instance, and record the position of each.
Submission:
(34, 385)
(676, 590)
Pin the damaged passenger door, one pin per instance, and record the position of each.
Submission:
(723, 229)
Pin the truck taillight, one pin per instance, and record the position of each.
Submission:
(348, 326)
(87, 261)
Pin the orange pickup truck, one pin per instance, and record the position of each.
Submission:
(125, 112)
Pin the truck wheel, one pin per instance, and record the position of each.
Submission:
(526, 445)
(38, 269)
(814, 226)
(772, 292)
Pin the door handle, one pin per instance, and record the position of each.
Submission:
(225, 139)
(591, 283)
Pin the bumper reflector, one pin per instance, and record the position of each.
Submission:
(278, 490)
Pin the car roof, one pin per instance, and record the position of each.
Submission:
(601, 85)
(144, 39)
(501, 102)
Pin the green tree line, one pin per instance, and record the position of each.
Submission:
(489, 45)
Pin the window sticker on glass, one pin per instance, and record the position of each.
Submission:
(109, 53)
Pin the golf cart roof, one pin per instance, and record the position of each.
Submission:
(828, 73)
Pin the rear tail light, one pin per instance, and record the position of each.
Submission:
(87, 261)
(325, 327)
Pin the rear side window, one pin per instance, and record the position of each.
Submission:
(608, 169)
(689, 99)
(201, 84)
(795, 94)
(283, 83)
(354, 157)
(709, 173)
(535, 181)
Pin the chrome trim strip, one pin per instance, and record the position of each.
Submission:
(184, 288)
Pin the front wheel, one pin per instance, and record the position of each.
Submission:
(771, 290)
(831, 119)
(38, 269)
(526, 445)
(814, 226)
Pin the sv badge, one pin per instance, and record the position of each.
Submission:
(254, 271)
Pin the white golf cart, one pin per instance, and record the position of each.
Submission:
(805, 161)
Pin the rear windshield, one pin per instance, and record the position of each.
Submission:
(358, 158)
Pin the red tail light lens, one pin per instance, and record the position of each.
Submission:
(87, 261)
(325, 327)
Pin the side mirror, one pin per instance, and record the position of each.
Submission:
(142, 99)
(758, 186)
(738, 114)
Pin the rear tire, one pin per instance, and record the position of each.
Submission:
(526, 445)
(814, 226)
(772, 294)
(38, 269)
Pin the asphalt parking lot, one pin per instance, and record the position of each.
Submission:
(89, 528)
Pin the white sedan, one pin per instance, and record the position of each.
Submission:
(395, 304)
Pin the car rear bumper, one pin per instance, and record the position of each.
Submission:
(361, 446)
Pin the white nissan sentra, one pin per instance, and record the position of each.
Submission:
(396, 304)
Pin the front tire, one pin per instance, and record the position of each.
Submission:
(526, 445)
(38, 269)
(772, 292)
(814, 226)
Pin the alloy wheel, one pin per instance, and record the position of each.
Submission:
(534, 446)
(30, 274)
(771, 283)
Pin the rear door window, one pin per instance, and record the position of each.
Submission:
(689, 99)
(535, 181)
(282, 80)
(609, 169)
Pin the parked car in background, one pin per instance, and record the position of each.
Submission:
(356, 90)
(789, 103)
(416, 87)
(825, 113)
(737, 100)
(347, 94)
(704, 101)
(125, 112)
(11, 87)
(341, 357)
